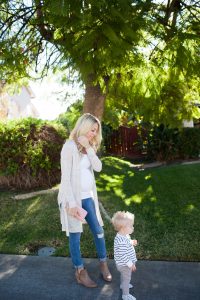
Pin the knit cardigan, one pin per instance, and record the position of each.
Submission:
(70, 187)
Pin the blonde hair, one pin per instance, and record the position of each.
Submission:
(83, 125)
(121, 218)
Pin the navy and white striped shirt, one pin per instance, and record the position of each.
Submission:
(124, 252)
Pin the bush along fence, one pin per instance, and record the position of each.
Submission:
(154, 143)
(30, 153)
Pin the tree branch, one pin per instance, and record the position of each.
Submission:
(45, 32)
(7, 24)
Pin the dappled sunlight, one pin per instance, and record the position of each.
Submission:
(34, 205)
(124, 186)
(111, 182)
(115, 179)
(9, 224)
(31, 210)
(114, 183)
(131, 173)
(124, 183)
(150, 194)
(140, 197)
(8, 273)
(148, 177)
(135, 198)
(189, 208)
(119, 193)
(115, 162)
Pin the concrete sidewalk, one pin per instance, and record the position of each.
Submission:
(52, 278)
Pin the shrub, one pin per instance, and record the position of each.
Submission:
(167, 144)
(30, 153)
(189, 143)
(162, 143)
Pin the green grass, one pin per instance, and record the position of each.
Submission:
(165, 201)
(166, 204)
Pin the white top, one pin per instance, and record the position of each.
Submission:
(87, 179)
(124, 252)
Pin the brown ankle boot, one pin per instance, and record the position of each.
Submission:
(105, 271)
(83, 278)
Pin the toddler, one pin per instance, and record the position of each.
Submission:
(124, 252)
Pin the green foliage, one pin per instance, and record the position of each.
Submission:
(144, 54)
(91, 36)
(69, 118)
(151, 94)
(167, 144)
(30, 151)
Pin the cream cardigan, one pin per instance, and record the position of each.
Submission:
(70, 188)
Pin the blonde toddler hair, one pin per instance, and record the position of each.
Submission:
(83, 126)
(121, 218)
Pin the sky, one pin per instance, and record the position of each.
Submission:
(49, 95)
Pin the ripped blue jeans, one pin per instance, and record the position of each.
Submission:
(97, 231)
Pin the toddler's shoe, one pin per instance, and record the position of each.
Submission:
(130, 286)
(128, 297)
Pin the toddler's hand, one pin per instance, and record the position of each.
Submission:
(134, 242)
(133, 268)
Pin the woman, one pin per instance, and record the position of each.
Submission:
(78, 190)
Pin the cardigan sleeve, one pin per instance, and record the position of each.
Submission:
(95, 161)
(66, 196)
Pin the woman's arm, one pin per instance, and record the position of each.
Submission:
(95, 161)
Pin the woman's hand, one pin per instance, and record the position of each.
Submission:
(77, 212)
(83, 141)
(73, 212)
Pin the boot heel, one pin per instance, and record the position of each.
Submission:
(105, 271)
(78, 280)
(83, 278)
(77, 277)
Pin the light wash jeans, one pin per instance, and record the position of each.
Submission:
(97, 231)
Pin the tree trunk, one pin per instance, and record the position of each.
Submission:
(94, 99)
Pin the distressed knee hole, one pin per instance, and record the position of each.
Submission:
(100, 235)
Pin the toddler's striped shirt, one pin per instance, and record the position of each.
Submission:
(124, 252)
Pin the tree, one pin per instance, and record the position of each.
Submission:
(102, 40)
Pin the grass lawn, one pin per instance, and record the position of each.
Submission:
(165, 201)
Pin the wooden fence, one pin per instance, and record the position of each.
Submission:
(124, 142)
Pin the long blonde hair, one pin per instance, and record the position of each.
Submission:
(83, 125)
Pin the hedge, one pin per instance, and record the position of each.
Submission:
(167, 144)
(30, 153)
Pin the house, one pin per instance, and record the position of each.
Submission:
(18, 105)
(194, 122)
(188, 123)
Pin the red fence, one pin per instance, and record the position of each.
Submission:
(124, 142)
